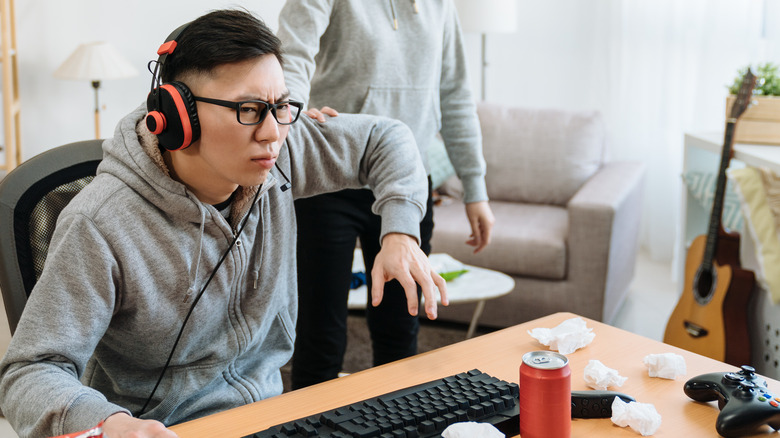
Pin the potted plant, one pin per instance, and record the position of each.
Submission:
(760, 123)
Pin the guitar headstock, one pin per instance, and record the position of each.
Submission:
(743, 97)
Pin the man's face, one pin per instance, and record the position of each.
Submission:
(229, 153)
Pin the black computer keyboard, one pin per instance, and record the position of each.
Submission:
(423, 410)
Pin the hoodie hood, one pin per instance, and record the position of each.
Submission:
(133, 155)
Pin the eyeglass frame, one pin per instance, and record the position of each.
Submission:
(269, 108)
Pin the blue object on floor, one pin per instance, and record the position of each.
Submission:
(358, 279)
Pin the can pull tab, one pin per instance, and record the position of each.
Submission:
(541, 360)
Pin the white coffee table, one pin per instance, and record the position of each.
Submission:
(478, 284)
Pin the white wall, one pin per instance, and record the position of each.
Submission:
(55, 111)
(655, 68)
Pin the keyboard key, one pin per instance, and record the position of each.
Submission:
(410, 432)
(427, 426)
(288, 429)
(333, 418)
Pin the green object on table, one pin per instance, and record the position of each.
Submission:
(452, 274)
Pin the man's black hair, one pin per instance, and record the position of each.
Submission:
(217, 38)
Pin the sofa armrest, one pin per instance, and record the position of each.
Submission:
(604, 217)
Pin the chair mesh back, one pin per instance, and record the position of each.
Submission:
(36, 213)
(44, 216)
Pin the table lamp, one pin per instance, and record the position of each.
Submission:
(487, 16)
(94, 62)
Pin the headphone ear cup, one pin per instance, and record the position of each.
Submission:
(173, 116)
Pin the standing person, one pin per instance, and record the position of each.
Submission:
(191, 218)
(403, 59)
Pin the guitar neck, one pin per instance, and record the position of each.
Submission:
(720, 190)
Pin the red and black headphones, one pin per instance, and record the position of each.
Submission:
(173, 114)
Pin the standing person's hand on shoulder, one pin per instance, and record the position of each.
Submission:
(319, 114)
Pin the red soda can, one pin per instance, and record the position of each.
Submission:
(545, 395)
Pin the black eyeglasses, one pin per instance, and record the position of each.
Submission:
(253, 112)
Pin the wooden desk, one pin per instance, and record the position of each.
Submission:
(498, 353)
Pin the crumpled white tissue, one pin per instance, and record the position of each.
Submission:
(567, 337)
(599, 376)
(665, 365)
(471, 429)
(642, 417)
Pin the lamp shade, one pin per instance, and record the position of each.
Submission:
(487, 16)
(95, 61)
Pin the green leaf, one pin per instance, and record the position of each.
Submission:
(452, 274)
(767, 80)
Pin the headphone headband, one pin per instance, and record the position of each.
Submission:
(172, 110)
(170, 44)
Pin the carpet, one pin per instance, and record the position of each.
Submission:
(433, 335)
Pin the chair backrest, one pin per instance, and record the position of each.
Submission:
(31, 199)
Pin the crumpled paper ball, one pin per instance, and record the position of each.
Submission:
(599, 376)
(567, 337)
(665, 365)
(471, 429)
(641, 417)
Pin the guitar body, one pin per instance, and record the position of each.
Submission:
(717, 328)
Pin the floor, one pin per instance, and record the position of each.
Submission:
(650, 301)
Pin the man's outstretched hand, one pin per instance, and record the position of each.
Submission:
(402, 259)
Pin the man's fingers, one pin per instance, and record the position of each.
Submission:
(442, 285)
(424, 276)
(377, 286)
(410, 290)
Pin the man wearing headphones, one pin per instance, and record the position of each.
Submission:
(169, 291)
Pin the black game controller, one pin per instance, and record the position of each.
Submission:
(743, 399)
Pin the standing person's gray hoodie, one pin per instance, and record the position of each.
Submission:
(414, 70)
(134, 248)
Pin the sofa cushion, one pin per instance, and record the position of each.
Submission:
(540, 156)
(529, 240)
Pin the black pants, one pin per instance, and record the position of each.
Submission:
(328, 226)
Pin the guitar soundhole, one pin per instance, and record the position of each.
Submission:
(704, 285)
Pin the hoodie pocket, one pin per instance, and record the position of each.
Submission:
(417, 107)
(191, 391)
(287, 325)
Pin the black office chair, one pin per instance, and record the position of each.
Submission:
(31, 198)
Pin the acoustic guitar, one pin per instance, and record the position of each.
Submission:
(711, 316)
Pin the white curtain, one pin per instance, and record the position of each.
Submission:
(655, 69)
(671, 62)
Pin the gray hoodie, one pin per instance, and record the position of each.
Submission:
(347, 54)
(134, 248)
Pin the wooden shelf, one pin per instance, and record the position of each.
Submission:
(757, 155)
(11, 145)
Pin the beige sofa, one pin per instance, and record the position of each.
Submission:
(567, 219)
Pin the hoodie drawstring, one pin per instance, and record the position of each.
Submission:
(392, 10)
(395, 20)
(194, 279)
